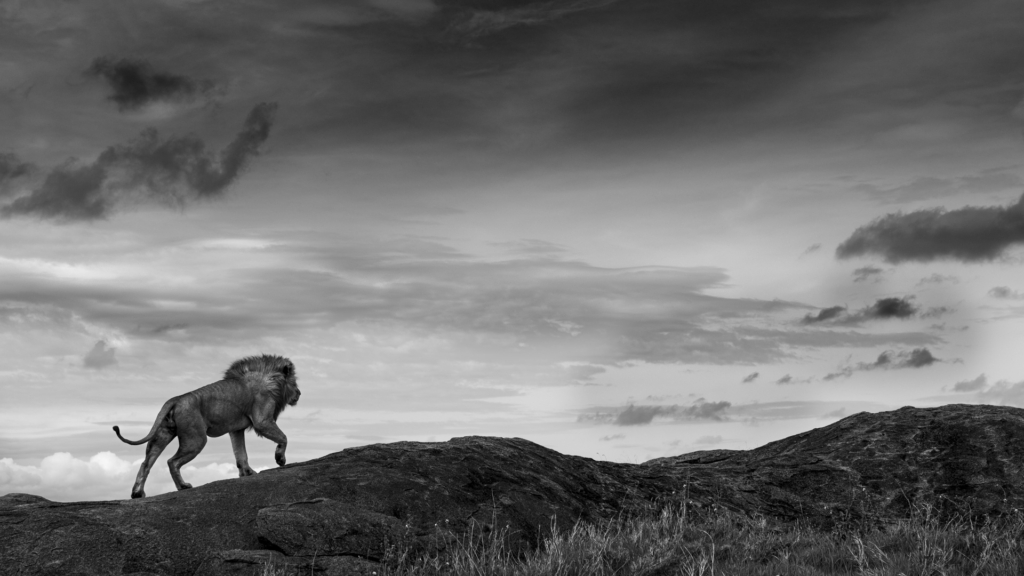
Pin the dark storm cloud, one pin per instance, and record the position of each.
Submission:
(750, 377)
(12, 170)
(970, 234)
(1005, 293)
(134, 83)
(148, 170)
(865, 273)
(926, 187)
(888, 360)
(100, 356)
(890, 308)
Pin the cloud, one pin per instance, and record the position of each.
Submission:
(12, 170)
(636, 415)
(837, 413)
(104, 476)
(971, 385)
(927, 187)
(466, 24)
(1005, 293)
(788, 379)
(171, 172)
(938, 279)
(100, 356)
(812, 248)
(1004, 393)
(937, 311)
(888, 360)
(865, 273)
(750, 377)
(969, 234)
(708, 440)
(135, 84)
(824, 314)
(569, 312)
(882, 309)
(584, 373)
(890, 308)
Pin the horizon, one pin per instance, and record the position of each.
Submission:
(619, 230)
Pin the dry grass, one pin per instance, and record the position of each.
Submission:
(673, 542)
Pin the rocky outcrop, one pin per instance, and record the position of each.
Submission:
(338, 514)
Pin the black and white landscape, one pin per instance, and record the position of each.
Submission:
(619, 229)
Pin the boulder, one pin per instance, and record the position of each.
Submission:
(338, 514)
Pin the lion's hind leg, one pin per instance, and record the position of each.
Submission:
(155, 446)
(190, 444)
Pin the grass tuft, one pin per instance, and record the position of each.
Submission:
(672, 542)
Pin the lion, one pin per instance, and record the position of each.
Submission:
(252, 394)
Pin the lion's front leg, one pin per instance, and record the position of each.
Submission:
(241, 457)
(269, 429)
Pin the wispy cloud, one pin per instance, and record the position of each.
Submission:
(135, 84)
(866, 273)
(824, 315)
(147, 170)
(882, 309)
(465, 24)
(573, 312)
(927, 187)
(634, 415)
(750, 377)
(970, 234)
(888, 360)
(939, 279)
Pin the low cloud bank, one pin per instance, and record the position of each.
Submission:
(105, 476)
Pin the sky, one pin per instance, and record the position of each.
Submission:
(622, 230)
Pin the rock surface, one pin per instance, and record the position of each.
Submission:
(337, 514)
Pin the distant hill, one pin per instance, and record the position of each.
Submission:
(337, 513)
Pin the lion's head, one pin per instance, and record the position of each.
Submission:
(275, 370)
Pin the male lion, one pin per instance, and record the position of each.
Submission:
(253, 394)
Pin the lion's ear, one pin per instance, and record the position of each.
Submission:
(288, 370)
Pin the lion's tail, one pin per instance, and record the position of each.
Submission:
(152, 431)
